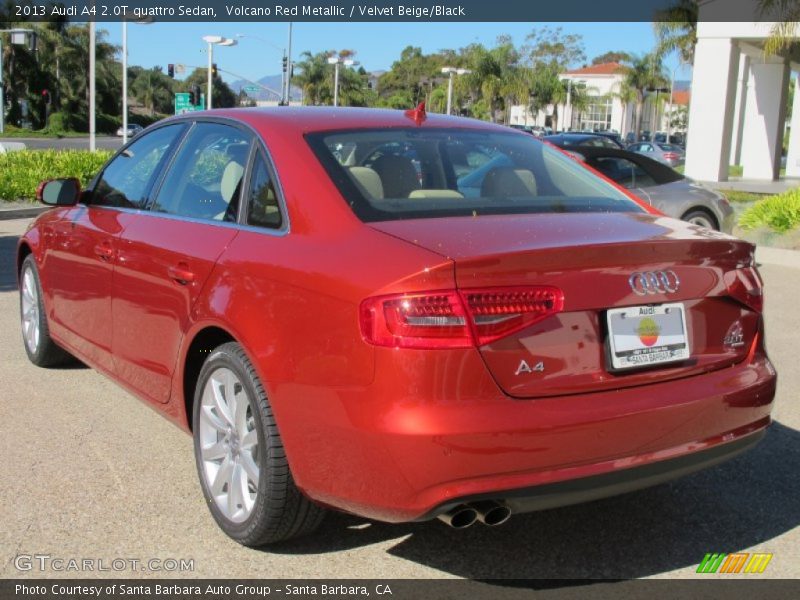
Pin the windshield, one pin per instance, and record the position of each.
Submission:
(398, 173)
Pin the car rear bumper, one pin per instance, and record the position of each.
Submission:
(398, 452)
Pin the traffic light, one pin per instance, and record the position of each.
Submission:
(214, 71)
(171, 70)
(32, 41)
(285, 63)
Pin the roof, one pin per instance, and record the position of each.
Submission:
(305, 119)
(681, 97)
(612, 68)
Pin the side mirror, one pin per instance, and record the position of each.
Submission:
(59, 192)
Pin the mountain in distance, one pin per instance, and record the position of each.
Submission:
(272, 82)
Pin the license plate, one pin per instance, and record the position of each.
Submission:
(641, 336)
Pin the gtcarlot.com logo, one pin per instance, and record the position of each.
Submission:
(61, 564)
(738, 562)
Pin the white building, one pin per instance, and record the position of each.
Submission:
(606, 112)
(737, 114)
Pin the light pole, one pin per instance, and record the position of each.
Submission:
(92, 87)
(214, 40)
(287, 94)
(336, 61)
(146, 21)
(451, 71)
(671, 97)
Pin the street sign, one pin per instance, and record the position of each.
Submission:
(183, 103)
(252, 89)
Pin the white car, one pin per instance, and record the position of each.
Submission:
(133, 130)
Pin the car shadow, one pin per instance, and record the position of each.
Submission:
(745, 502)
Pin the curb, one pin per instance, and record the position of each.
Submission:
(22, 212)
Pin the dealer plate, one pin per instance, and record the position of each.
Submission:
(641, 336)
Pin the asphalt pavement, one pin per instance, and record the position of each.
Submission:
(88, 471)
(106, 142)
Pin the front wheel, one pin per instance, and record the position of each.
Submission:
(240, 458)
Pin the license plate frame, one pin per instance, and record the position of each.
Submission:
(637, 338)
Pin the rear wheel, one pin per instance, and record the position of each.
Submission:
(40, 347)
(240, 458)
(702, 218)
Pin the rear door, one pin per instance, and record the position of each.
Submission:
(84, 252)
(168, 252)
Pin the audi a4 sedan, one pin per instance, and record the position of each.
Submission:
(397, 315)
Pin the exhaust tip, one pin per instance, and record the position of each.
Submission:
(492, 513)
(459, 517)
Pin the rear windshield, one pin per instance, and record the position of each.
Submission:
(400, 173)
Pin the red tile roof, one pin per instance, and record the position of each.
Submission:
(611, 68)
(681, 97)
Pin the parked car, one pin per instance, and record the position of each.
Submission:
(675, 138)
(507, 332)
(663, 187)
(566, 139)
(133, 130)
(669, 154)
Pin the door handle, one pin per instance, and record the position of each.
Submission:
(181, 273)
(104, 251)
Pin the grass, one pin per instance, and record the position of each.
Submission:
(12, 132)
(740, 197)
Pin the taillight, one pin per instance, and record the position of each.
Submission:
(745, 286)
(455, 319)
(671, 156)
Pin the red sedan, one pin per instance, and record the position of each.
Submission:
(398, 315)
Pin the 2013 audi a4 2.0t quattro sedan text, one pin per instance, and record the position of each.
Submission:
(398, 315)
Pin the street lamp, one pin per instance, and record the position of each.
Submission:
(214, 40)
(336, 61)
(18, 37)
(450, 71)
(145, 21)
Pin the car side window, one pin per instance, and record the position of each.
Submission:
(205, 179)
(262, 201)
(624, 172)
(126, 180)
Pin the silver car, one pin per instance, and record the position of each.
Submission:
(667, 190)
(669, 154)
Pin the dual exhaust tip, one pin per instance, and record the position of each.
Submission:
(488, 512)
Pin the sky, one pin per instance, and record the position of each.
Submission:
(377, 45)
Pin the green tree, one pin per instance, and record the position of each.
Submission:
(676, 30)
(224, 96)
(611, 57)
(641, 73)
(153, 89)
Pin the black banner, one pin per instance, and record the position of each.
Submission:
(388, 10)
(710, 588)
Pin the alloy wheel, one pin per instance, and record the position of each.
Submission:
(30, 311)
(229, 448)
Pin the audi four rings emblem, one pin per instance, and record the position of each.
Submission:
(654, 282)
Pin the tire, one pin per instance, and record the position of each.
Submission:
(39, 346)
(701, 217)
(254, 513)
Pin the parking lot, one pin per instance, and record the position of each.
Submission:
(90, 472)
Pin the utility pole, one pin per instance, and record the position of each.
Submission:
(124, 82)
(92, 87)
(288, 79)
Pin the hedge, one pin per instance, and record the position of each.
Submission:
(780, 213)
(21, 172)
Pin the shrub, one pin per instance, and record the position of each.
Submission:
(21, 172)
(780, 213)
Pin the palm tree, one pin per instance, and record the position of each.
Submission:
(676, 30)
(315, 78)
(786, 13)
(641, 73)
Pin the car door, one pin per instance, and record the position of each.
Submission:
(166, 256)
(84, 250)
